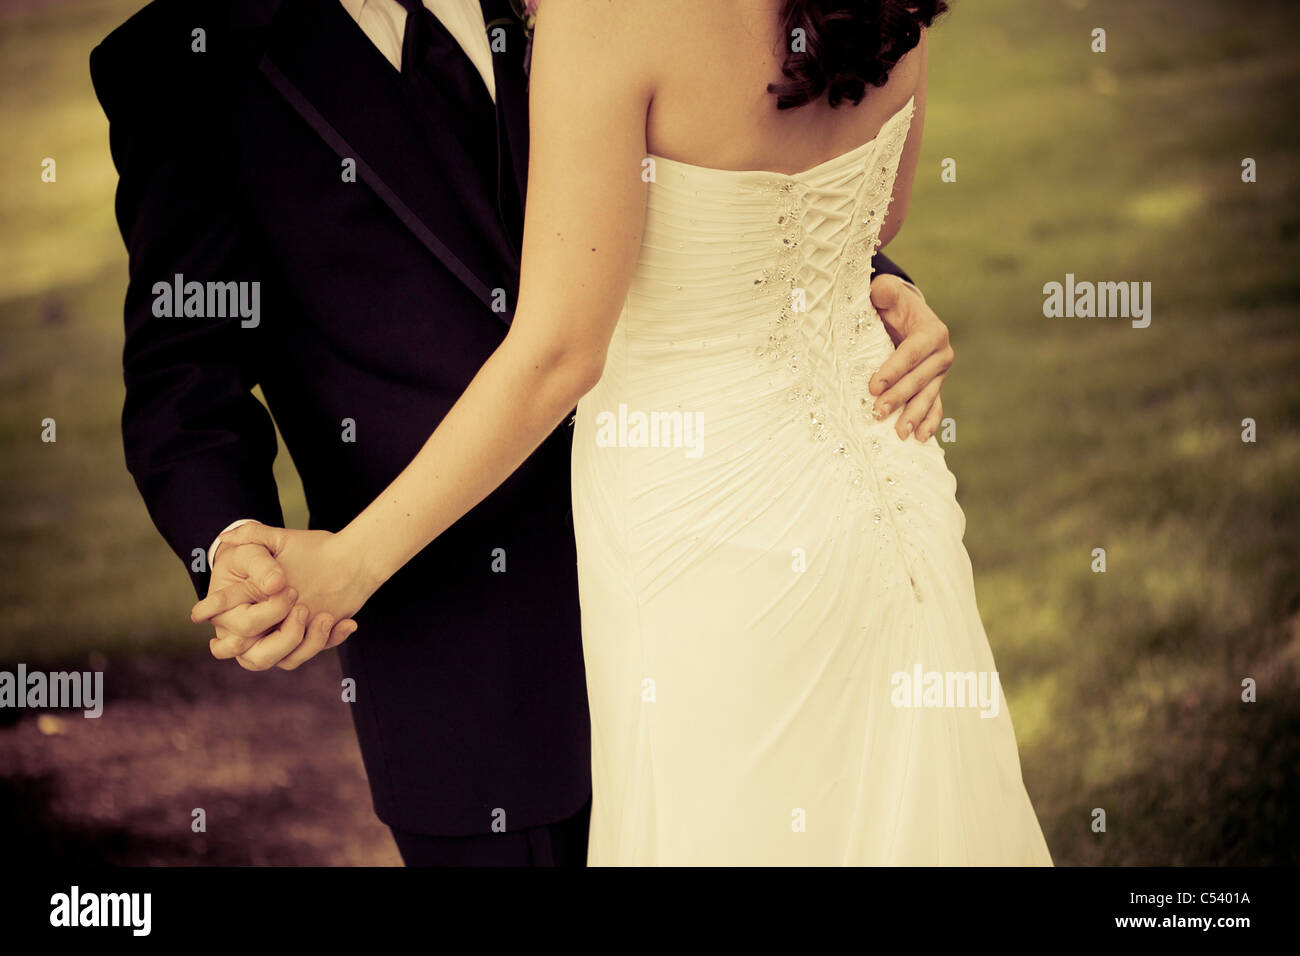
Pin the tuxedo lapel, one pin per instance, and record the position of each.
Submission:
(329, 72)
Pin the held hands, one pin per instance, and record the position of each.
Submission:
(913, 376)
(262, 622)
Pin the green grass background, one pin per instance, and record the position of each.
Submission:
(1072, 434)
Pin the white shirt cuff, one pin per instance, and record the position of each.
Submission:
(914, 288)
(212, 551)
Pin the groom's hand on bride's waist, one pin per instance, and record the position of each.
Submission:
(913, 376)
(256, 615)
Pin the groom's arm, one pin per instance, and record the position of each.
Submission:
(198, 443)
(881, 264)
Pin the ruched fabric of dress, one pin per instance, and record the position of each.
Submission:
(785, 660)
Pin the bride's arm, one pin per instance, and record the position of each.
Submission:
(920, 62)
(586, 207)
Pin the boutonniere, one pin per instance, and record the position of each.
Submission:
(526, 11)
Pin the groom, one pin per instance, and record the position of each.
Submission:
(325, 198)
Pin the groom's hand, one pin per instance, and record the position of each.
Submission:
(912, 377)
(263, 640)
(248, 589)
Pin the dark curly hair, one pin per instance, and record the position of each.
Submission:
(847, 44)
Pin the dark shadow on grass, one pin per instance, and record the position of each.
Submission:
(30, 832)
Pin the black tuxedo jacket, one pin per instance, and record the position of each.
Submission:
(377, 308)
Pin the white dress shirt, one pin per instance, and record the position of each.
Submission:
(384, 21)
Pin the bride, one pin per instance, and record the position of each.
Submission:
(785, 662)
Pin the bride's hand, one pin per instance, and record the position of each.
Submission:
(331, 585)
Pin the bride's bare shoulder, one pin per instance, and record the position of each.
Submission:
(609, 36)
(614, 20)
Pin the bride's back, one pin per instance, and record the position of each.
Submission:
(711, 106)
(749, 303)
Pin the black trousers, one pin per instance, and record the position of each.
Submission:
(552, 844)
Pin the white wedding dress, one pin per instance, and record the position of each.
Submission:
(764, 592)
